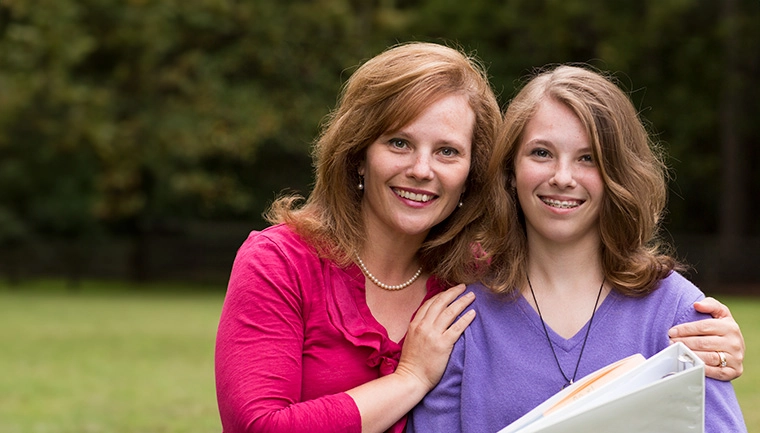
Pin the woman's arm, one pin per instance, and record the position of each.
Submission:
(259, 355)
(259, 351)
(707, 337)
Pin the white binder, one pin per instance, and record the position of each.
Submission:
(665, 393)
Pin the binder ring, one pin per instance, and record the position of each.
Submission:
(722, 357)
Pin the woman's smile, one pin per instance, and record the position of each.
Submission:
(417, 197)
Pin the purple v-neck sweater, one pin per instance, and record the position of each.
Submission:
(502, 367)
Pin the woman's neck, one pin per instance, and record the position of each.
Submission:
(390, 259)
(393, 262)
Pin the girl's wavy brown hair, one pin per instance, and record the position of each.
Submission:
(631, 166)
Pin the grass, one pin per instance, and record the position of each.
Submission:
(107, 359)
(746, 311)
(112, 358)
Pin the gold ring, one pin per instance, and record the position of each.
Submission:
(722, 357)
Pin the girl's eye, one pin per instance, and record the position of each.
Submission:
(397, 143)
(541, 153)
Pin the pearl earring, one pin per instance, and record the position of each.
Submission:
(361, 183)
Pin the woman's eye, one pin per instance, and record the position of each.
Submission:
(397, 143)
(587, 158)
(448, 151)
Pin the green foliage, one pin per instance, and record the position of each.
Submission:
(130, 114)
(167, 103)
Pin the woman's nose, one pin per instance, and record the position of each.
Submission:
(421, 167)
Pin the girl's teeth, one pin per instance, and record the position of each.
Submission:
(561, 204)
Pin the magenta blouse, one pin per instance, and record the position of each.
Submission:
(295, 333)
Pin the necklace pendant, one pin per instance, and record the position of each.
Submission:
(567, 384)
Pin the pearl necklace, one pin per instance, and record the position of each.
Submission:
(382, 285)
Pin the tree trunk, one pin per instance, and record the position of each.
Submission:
(734, 189)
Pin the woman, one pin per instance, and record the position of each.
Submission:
(319, 305)
(581, 280)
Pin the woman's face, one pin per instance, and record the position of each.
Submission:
(415, 176)
(557, 181)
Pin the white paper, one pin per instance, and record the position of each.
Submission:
(664, 394)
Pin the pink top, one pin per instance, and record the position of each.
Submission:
(295, 333)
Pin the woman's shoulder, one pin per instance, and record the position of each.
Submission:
(280, 239)
(278, 234)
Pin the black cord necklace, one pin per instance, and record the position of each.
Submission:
(568, 381)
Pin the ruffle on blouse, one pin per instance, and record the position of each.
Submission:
(349, 314)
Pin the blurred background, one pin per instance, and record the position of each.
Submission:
(140, 141)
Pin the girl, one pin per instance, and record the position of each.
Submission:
(580, 280)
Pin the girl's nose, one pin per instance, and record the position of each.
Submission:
(563, 176)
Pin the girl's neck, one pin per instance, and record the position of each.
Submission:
(565, 268)
(566, 284)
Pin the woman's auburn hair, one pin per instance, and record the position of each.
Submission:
(632, 168)
(384, 94)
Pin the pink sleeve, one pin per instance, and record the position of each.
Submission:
(259, 350)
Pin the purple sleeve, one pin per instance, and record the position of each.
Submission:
(722, 411)
(259, 350)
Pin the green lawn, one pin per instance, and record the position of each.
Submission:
(746, 311)
(117, 359)
(108, 360)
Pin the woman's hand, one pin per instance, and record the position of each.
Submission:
(432, 334)
(427, 346)
(708, 337)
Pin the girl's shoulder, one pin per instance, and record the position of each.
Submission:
(676, 284)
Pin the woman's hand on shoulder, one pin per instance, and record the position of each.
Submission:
(432, 333)
(710, 336)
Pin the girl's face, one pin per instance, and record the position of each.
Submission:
(414, 177)
(558, 183)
